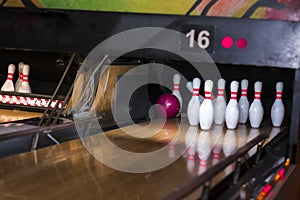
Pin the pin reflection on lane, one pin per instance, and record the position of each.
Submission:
(254, 132)
(204, 148)
(190, 145)
(217, 136)
(229, 147)
(242, 135)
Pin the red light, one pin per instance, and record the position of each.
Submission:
(281, 172)
(227, 42)
(267, 189)
(242, 43)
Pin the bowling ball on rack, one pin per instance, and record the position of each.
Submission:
(169, 105)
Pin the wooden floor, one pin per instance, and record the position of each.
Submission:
(70, 171)
(15, 115)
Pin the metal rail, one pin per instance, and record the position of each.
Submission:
(35, 138)
(34, 130)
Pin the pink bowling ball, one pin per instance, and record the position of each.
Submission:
(169, 105)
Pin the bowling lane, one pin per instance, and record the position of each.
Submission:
(15, 115)
(69, 171)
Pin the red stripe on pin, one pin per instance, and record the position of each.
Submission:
(207, 95)
(191, 157)
(220, 92)
(244, 93)
(203, 163)
(216, 156)
(233, 95)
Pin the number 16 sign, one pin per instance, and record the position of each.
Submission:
(197, 37)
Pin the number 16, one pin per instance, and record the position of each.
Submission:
(203, 40)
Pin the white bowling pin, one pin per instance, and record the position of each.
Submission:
(206, 113)
(277, 111)
(176, 92)
(8, 86)
(232, 110)
(25, 87)
(189, 86)
(194, 104)
(256, 111)
(20, 78)
(220, 103)
(243, 102)
(204, 147)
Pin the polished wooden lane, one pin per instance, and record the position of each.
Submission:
(69, 171)
(15, 115)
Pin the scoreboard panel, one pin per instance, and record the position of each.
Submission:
(227, 40)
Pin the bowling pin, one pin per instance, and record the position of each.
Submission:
(176, 92)
(243, 102)
(256, 111)
(220, 103)
(194, 104)
(20, 78)
(24, 86)
(277, 110)
(204, 147)
(206, 113)
(189, 86)
(8, 86)
(232, 110)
